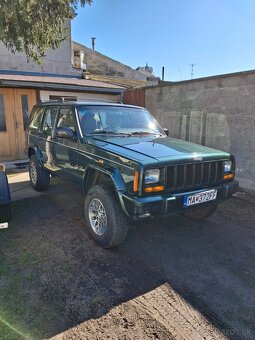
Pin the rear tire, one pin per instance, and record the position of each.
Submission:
(39, 177)
(105, 221)
(201, 213)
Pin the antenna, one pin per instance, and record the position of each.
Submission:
(180, 71)
(192, 70)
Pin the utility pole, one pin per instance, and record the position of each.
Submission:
(93, 43)
(192, 70)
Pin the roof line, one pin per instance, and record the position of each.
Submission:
(52, 86)
(39, 74)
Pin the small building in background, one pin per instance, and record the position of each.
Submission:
(98, 64)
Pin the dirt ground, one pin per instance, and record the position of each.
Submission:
(172, 279)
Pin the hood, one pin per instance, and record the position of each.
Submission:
(158, 149)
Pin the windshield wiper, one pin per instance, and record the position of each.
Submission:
(135, 133)
(107, 132)
(144, 133)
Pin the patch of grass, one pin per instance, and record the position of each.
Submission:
(96, 301)
(22, 311)
(28, 257)
(4, 270)
(9, 332)
(35, 275)
(12, 312)
(66, 268)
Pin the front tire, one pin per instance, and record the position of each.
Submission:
(105, 221)
(201, 213)
(39, 177)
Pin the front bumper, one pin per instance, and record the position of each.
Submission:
(169, 204)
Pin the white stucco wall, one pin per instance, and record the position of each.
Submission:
(45, 95)
(58, 61)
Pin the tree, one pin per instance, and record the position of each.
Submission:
(33, 26)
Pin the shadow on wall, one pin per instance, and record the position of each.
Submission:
(210, 129)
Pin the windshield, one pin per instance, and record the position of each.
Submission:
(117, 120)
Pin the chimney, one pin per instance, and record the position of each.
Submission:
(163, 73)
(93, 43)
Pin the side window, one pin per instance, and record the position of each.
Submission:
(36, 117)
(25, 111)
(49, 120)
(66, 119)
(2, 114)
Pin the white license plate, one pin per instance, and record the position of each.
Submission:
(202, 197)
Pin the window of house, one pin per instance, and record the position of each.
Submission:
(64, 98)
(25, 112)
(2, 114)
(49, 120)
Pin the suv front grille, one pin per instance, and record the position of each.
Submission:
(194, 175)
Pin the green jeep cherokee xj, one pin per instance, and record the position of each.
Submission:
(126, 165)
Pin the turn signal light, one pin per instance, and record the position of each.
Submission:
(155, 189)
(229, 176)
(135, 187)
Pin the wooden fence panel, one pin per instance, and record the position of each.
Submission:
(134, 97)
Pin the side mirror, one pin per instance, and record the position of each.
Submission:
(65, 132)
(166, 131)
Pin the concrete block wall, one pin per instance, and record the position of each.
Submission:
(218, 112)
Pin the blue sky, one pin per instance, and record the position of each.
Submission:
(216, 35)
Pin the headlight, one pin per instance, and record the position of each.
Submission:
(227, 166)
(151, 176)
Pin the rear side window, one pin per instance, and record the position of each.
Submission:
(49, 120)
(36, 117)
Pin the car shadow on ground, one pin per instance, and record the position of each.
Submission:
(53, 277)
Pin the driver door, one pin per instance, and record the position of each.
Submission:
(65, 154)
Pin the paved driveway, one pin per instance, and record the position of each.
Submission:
(170, 279)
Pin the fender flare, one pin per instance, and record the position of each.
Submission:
(115, 177)
(38, 154)
(113, 174)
